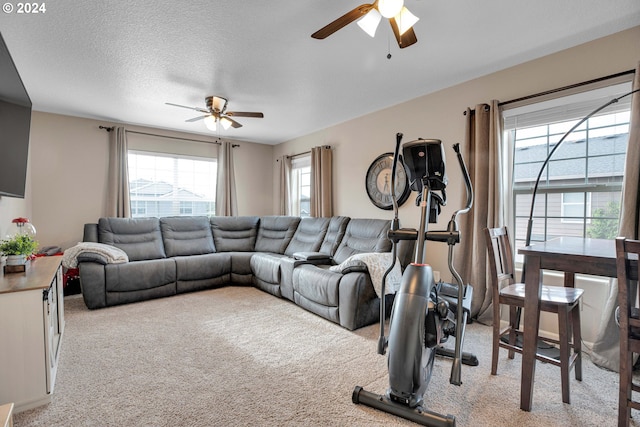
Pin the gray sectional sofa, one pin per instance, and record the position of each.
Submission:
(288, 257)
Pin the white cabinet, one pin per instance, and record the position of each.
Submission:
(31, 328)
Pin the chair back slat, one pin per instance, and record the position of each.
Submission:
(627, 252)
(500, 256)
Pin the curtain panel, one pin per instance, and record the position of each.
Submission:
(483, 141)
(321, 182)
(118, 201)
(284, 171)
(226, 198)
(606, 348)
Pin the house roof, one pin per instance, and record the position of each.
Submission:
(568, 162)
(121, 61)
(141, 188)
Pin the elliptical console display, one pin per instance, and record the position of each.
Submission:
(421, 320)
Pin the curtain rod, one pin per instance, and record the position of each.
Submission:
(560, 89)
(299, 154)
(305, 152)
(573, 86)
(109, 129)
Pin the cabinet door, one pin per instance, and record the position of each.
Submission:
(60, 296)
(50, 310)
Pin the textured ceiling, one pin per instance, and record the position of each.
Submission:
(122, 60)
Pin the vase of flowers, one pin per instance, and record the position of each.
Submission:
(18, 248)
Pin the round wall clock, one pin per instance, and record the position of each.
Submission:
(378, 182)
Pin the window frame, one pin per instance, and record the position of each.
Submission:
(139, 204)
(517, 219)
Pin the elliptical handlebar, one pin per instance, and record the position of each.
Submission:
(467, 183)
(395, 225)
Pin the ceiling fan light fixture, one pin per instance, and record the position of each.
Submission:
(405, 20)
(210, 123)
(390, 8)
(225, 122)
(369, 22)
(219, 103)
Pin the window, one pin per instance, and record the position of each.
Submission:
(301, 186)
(580, 190)
(575, 208)
(169, 185)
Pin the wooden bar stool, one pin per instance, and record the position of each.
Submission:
(563, 301)
(627, 251)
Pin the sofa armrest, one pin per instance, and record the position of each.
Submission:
(92, 257)
(312, 258)
(92, 283)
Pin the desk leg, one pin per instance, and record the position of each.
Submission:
(532, 293)
(569, 280)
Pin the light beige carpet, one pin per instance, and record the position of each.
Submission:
(237, 356)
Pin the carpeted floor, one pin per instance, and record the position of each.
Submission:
(237, 356)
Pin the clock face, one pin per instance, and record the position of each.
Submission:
(378, 182)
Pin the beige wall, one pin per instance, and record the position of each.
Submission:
(69, 160)
(439, 115)
(358, 142)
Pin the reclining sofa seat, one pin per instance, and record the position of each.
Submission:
(114, 284)
(189, 241)
(267, 266)
(347, 298)
(236, 236)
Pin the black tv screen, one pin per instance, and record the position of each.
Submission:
(15, 126)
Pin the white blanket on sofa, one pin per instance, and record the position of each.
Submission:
(111, 254)
(377, 263)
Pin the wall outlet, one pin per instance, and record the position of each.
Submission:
(436, 276)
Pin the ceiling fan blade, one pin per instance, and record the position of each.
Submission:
(405, 40)
(233, 122)
(202, 110)
(195, 119)
(343, 21)
(244, 114)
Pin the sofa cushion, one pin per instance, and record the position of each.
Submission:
(140, 238)
(234, 234)
(308, 236)
(266, 266)
(186, 235)
(275, 233)
(195, 272)
(317, 284)
(241, 268)
(363, 235)
(140, 275)
(334, 235)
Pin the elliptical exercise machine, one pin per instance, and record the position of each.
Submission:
(421, 318)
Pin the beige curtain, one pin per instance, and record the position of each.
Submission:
(321, 182)
(226, 199)
(284, 163)
(606, 350)
(118, 202)
(483, 140)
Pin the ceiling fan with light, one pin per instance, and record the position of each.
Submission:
(216, 112)
(369, 16)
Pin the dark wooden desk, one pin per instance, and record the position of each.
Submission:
(567, 254)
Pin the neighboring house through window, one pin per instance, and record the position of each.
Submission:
(171, 185)
(580, 189)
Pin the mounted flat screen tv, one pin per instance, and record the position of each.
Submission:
(15, 125)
